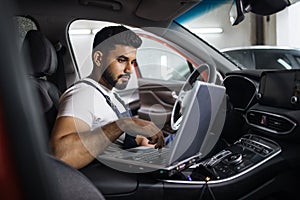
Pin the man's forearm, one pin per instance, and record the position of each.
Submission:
(79, 149)
(97, 140)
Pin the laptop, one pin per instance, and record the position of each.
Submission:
(203, 116)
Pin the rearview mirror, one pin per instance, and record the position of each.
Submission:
(269, 7)
(260, 7)
(236, 14)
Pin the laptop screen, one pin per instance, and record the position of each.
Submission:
(204, 110)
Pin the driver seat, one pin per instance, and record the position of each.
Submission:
(43, 64)
(69, 182)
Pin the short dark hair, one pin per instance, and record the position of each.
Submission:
(104, 41)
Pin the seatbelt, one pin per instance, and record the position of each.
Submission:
(59, 75)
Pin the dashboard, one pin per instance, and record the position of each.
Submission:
(241, 91)
(272, 115)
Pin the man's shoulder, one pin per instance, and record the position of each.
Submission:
(80, 89)
(87, 82)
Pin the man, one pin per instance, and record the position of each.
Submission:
(91, 115)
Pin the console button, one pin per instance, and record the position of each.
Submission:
(242, 166)
(265, 151)
(235, 158)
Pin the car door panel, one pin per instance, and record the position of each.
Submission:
(157, 100)
(131, 98)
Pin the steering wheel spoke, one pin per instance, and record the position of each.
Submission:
(178, 108)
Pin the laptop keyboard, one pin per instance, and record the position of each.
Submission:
(147, 155)
(152, 154)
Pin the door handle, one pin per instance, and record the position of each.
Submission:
(174, 95)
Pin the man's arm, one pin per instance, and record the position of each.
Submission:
(73, 142)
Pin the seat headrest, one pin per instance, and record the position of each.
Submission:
(41, 52)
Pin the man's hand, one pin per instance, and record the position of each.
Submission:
(158, 140)
(136, 126)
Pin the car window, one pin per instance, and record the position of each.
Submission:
(279, 30)
(272, 60)
(157, 61)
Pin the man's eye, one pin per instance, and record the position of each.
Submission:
(121, 60)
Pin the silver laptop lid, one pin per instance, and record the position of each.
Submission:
(204, 109)
(203, 119)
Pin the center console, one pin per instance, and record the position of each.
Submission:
(246, 154)
(247, 167)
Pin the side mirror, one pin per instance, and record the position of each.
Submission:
(236, 14)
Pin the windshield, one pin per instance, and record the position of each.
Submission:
(246, 42)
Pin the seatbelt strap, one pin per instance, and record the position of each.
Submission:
(60, 72)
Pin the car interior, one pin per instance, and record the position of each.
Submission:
(252, 156)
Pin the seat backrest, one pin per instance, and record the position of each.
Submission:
(43, 59)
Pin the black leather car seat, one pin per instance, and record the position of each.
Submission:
(69, 182)
(43, 64)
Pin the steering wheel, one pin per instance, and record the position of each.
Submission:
(179, 105)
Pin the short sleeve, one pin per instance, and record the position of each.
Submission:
(78, 102)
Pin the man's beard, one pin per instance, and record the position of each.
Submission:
(108, 78)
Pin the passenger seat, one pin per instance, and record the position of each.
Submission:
(43, 64)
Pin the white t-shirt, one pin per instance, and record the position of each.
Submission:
(85, 102)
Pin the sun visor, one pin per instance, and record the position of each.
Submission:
(158, 10)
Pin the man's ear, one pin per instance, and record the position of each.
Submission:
(97, 58)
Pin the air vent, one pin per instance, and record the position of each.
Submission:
(270, 122)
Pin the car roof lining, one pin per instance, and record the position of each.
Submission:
(139, 13)
(164, 10)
